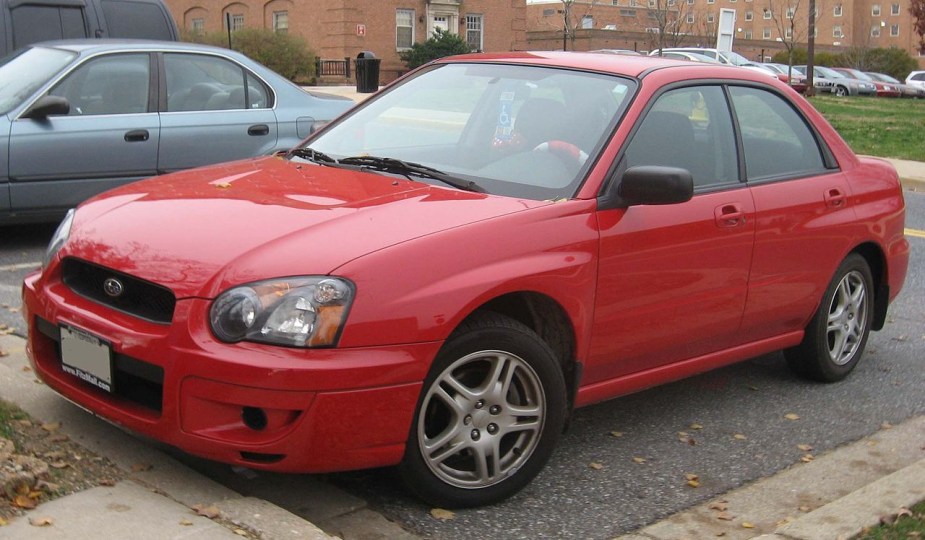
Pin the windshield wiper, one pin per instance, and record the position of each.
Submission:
(407, 168)
(313, 156)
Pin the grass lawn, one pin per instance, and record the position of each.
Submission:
(885, 127)
(906, 527)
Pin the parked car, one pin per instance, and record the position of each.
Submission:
(626, 52)
(80, 117)
(24, 22)
(842, 85)
(723, 57)
(916, 78)
(792, 77)
(905, 90)
(690, 56)
(882, 89)
(436, 283)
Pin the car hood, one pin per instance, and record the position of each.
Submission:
(201, 231)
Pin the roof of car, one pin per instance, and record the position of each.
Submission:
(632, 66)
(109, 44)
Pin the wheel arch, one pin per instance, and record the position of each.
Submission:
(876, 260)
(551, 322)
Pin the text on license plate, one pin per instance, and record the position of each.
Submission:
(87, 357)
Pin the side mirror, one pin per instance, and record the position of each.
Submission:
(655, 185)
(48, 106)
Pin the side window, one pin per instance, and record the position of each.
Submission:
(197, 82)
(114, 84)
(689, 128)
(32, 24)
(778, 142)
(136, 20)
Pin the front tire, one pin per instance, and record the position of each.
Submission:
(841, 91)
(835, 338)
(490, 413)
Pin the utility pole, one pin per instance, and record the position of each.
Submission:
(811, 49)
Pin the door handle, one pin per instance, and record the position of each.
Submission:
(835, 198)
(137, 135)
(258, 130)
(729, 215)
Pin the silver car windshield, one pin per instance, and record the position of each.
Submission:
(25, 71)
(523, 131)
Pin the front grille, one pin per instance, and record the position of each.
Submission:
(134, 380)
(138, 297)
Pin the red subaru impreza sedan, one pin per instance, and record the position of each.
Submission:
(440, 276)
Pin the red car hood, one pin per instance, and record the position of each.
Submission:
(201, 231)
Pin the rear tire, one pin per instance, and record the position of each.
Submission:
(489, 416)
(837, 334)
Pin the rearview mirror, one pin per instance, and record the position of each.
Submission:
(48, 106)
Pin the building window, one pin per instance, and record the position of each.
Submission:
(790, 12)
(198, 25)
(690, 18)
(237, 21)
(690, 2)
(281, 21)
(672, 3)
(749, 15)
(627, 13)
(748, 34)
(894, 30)
(587, 22)
(651, 4)
(615, 3)
(711, 18)
(788, 33)
(836, 32)
(875, 31)
(634, 3)
(711, 1)
(404, 28)
(732, 1)
(474, 32)
(766, 33)
(549, 12)
(767, 14)
(894, 9)
(837, 11)
(875, 10)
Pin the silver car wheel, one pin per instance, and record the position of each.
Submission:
(847, 318)
(481, 419)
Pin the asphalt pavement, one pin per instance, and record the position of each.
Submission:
(833, 495)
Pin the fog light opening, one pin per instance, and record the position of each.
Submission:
(254, 418)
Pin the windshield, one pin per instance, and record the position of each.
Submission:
(25, 71)
(828, 73)
(522, 131)
(737, 59)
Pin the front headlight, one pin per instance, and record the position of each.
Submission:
(59, 238)
(298, 312)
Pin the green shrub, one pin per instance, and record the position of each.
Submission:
(287, 54)
(442, 43)
(892, 61)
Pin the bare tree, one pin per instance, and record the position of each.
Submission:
(668, 22)
(792, 28)
(573, 16)
(917, 9)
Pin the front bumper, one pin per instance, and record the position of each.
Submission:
(316, 410)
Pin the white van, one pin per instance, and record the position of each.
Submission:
(23, 22)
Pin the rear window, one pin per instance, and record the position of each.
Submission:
(136, 20)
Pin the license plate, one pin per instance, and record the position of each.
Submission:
(86, 357)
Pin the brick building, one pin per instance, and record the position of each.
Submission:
(761, 25)
(337, 29)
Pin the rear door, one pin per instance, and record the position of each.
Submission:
(43, 20)
(215, 111)
(109, 138)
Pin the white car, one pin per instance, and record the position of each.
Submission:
(916, 78)
(724, 57)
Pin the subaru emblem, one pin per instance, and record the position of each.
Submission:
(113, 287)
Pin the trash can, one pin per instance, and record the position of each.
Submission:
(367, 72)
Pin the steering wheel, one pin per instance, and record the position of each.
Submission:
(566, 151)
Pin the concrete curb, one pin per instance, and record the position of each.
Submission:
(162, 487)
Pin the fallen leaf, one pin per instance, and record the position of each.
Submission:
(24, 501)
(25, 422)
(441, 514)
(752, 387)
(696, 426)
(886, 425)
(3, 353)
(240, 532)
(806, 508)
(108, 482)
(725, 516)
(51, 426)
(693, 483)
(596, 466)
(223, 185)
(58, 464)
(210, 512)
(740, 437)
(692, 476)
(747, 525)
(784, 521)
(805, 447)
(3, 522)
(41, 522)
(639, 460)
(807, 458)
(791, 416)
(26, 369)
(903, 512)
(55, 454)
(719, 505)
(141, 467)
(185, 522)
(617, 434)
